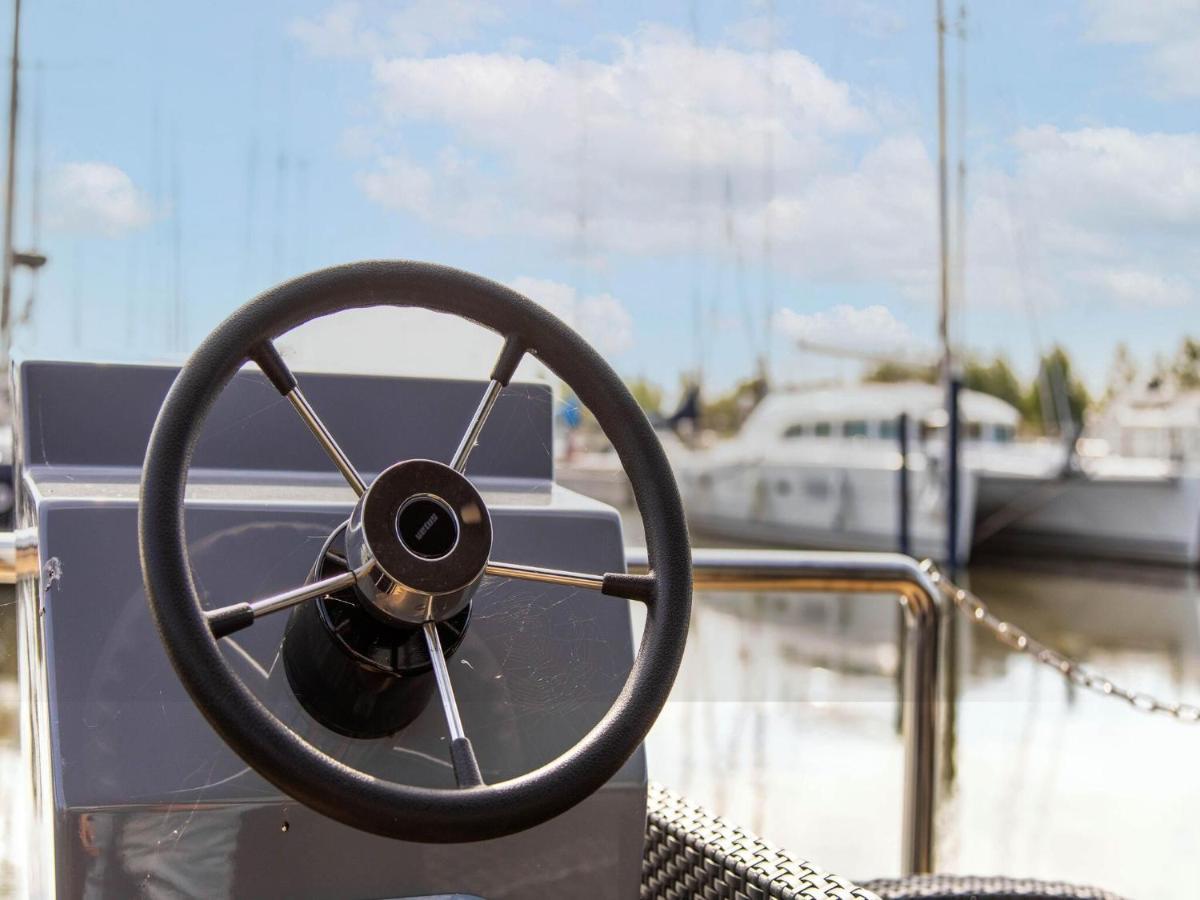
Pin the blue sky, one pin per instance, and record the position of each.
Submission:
(770, 165)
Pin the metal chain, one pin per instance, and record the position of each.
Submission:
(1016, 638)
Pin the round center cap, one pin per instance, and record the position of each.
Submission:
(421, 536)
(427, 526)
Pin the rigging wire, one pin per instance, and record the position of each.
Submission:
(252, 169)
(35, 191)
(1056, 412)
(768, 301)
(10, 186)
(698, 342)
(947, 362)
(177, 331)
(733, 242)
(583, 216)
(960, 193)
(283, 165)
(158, 273)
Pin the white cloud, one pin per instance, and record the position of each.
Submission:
(1131, 287)
(451, 192)
(96, 198)
(335, 33)
(870, 329)
(757, 32)
(874, 20)
(1113, 178)
(400, 184)
(385, 340)
(875, 221)
(1169, 30)
(601, 319)
(347, 30)
(662, 148)
(1083, 209)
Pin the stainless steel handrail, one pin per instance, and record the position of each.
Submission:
(888, 574)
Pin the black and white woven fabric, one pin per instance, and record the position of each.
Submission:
(967, 887)
(691, 853)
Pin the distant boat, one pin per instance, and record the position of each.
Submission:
(820, 469)
(1038, 497)
(1160, 420)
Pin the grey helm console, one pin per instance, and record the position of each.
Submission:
(133, 794)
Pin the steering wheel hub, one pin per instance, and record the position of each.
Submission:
(419, 538)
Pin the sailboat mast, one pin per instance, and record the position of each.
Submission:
(949, 380)
(10, 185)
(960, 187)
(943, 210)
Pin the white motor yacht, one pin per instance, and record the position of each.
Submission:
(821, 468)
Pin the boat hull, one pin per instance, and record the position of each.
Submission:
(795, 503)
(1135, 519)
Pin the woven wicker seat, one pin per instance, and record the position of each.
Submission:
(967, 887)
(691, 853)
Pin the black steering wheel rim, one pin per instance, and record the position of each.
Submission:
(275, 751)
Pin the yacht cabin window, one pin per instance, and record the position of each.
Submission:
(794, 431)
(889, 430)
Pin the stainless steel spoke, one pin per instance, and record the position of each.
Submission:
(490, 395)
(267, 357)
(329, 445)
(614, 584)
(462, 754)
(545, 576)
(502, 372)
(228, 619)
(442, 674)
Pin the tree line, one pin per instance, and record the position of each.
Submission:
(1056, 398)
(1052, 402)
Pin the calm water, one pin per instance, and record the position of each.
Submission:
(785, 720)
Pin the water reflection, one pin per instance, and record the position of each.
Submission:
(11, 847)
(784, 719)
(162, 854)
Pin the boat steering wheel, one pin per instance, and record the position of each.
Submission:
(417, 544)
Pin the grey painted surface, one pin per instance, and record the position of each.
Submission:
(77, 414)
(142, 797)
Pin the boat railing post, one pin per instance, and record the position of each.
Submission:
(921, 721)
(953, 454)
(888, 575)
(902, 485)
